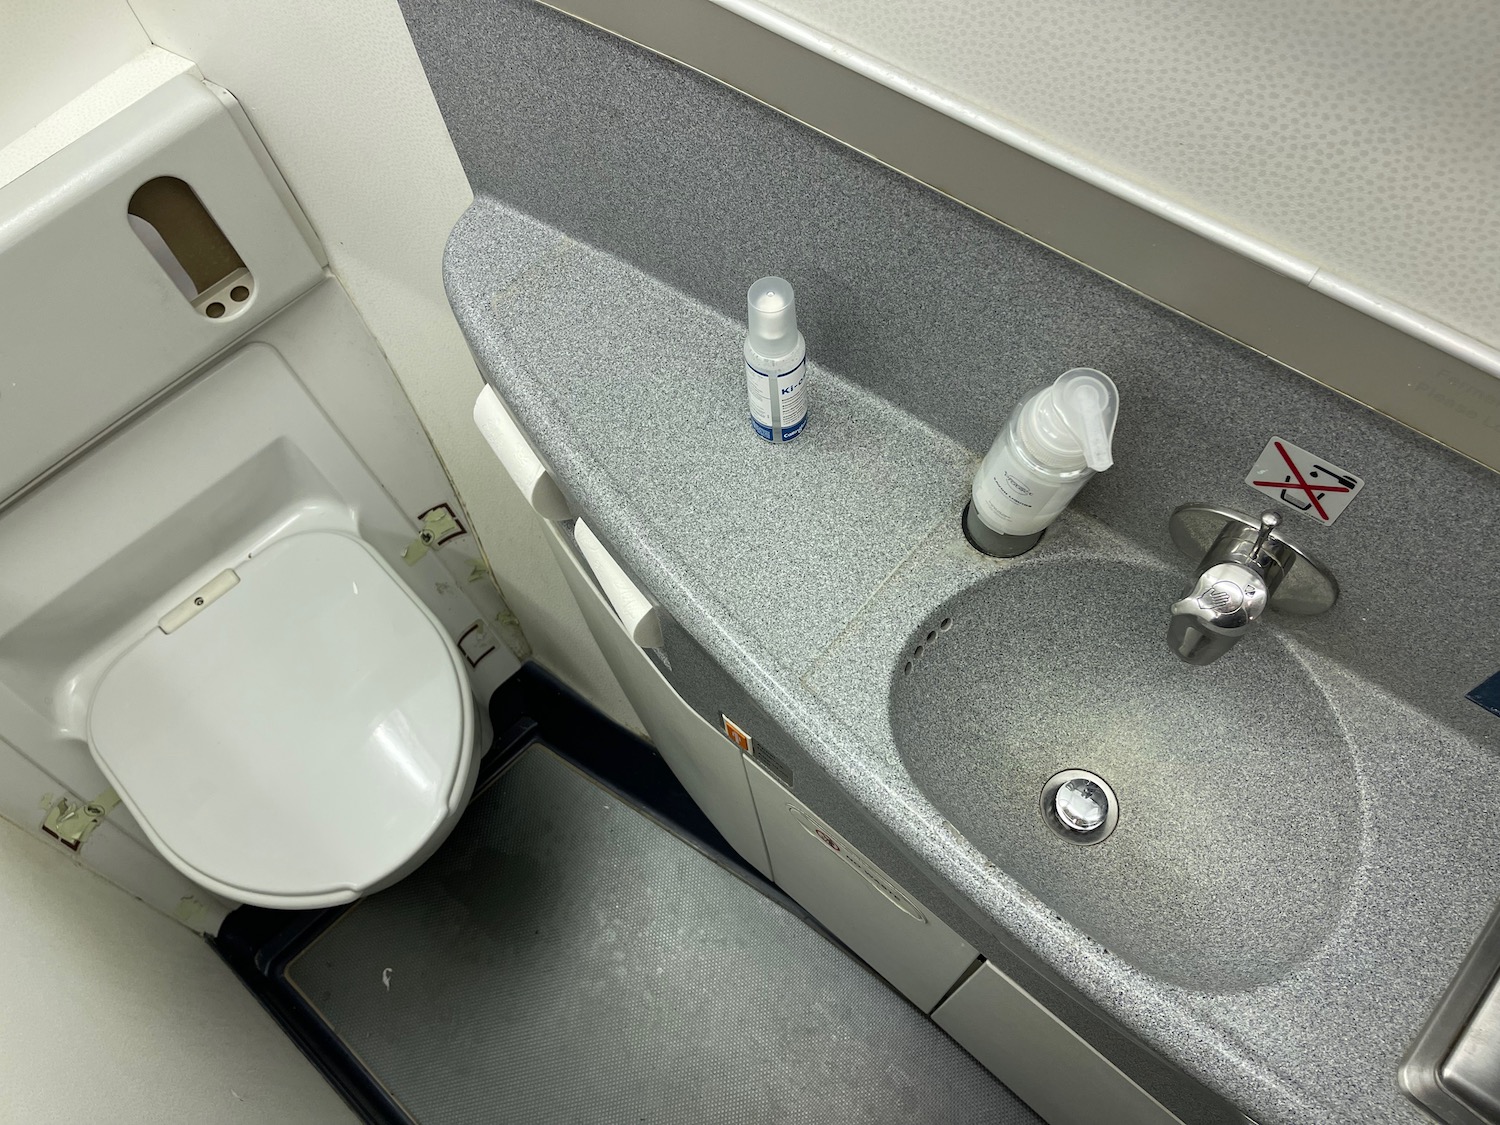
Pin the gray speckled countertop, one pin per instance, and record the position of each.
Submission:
(809, 572)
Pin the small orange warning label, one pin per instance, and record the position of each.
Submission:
(735, 735)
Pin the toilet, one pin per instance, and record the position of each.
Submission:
(246, 633)
(304, 737)
(244, 645)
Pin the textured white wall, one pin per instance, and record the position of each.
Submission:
(1361, 136)
(117, 1013)
(339, 97)
(336, 92)
(51, 52)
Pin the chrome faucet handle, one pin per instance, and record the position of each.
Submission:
(1226, 599)
(1269, 522)
(1244, 567)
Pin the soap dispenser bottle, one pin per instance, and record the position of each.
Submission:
(775, 361)
(1054, 441)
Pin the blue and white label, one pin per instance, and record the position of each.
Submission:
(778, 402)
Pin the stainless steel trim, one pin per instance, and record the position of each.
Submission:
(984, 538)
(1468, 1013)
(1306, 588)
(1244, 566)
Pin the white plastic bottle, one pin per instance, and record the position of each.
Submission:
(1054, 441)
(775, 361)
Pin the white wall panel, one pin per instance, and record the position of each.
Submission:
(336, 92)
(51, 51)
(118, 1013)
(1362, 138)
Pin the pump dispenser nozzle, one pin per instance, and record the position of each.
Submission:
(1071, 423)
(1088, 407)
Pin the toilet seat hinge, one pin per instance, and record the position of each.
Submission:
(71, 824)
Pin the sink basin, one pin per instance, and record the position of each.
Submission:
(1239, 807)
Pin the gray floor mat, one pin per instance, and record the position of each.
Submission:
(564, 959)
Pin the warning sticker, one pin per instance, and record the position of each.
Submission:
(1313, 485)
(736, 734)
(857, 860)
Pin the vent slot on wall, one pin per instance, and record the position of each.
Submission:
(172, 223)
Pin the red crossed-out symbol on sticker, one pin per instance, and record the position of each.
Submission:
(1312, 490)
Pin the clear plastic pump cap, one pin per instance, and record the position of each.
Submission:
(773, 317)
(1072, 422)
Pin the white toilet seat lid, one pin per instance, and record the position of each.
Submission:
(301, 738)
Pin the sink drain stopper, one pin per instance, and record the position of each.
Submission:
(1080, 806)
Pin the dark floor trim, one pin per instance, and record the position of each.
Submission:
(259, 944)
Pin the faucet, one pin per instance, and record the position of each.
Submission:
(1245, 566)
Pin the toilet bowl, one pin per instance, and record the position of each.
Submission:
(305, 735)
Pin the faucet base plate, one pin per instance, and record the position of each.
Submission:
(1306, 589)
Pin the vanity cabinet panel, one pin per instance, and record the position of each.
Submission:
(706, 763)
(1040, 1058)
(862, 906)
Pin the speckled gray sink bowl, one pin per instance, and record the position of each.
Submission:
(1240, 812)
